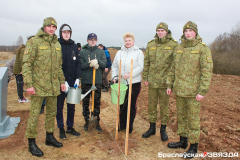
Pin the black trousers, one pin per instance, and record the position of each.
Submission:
(19, 81)
(70, 109)
(85, 101)
(136, 88)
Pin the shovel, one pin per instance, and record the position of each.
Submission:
(93, 119)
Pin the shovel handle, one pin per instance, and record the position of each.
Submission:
(93, 92)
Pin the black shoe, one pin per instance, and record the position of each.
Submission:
(182, 144)
(51, 141)
(151, 131)
(85, 127)
(42, 109)
(72, 132)
(105, 89)
(163, 133)
(102, 86)
(121, 128)
(62, 134)
(98, 128)
(191, 152)
(33, 148)
(130, 130)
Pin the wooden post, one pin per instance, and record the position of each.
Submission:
(129, 108)
(119, 83)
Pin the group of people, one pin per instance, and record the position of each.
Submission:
(51, 65)
(185, 68)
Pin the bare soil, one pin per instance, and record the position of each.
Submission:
(220, 129)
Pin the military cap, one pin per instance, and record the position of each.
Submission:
(163, 26)
(49, 21)
(191, 25)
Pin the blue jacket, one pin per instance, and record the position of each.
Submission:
(109, 63)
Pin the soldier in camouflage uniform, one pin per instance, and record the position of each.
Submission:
(157, 62)
(190, 77)
(43, 76)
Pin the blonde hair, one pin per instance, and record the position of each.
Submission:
(128, 34)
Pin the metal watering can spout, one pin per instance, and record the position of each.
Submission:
(93, 88)
(75, 95)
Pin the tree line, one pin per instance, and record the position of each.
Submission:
(226, 52)
(13, 47)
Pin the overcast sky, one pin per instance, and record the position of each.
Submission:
(110, 19)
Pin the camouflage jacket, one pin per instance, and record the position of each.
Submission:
(158, 59)
(18, 62)
(42, 64)
(191, 70)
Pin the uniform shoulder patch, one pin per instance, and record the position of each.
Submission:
(58, 49)
(26, 51)
(209, 59)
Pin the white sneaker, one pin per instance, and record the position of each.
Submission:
(23, 100)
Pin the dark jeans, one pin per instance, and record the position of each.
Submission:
(70, 109)
(104, 77)
(136, 88)
(85, 101)
(19, 81)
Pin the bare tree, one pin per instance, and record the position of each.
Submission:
(19, 41)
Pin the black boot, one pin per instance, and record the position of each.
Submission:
(98, 128)
(151, 131)
(62, 134)
(182, 144)
(105, 89)
(191, 152)
(42, 109)
(51, 141)
(33, 148)
(72, 131)
(163, 133)
(85, 127)
(102, 86)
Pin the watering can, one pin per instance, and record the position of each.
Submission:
(75, 95)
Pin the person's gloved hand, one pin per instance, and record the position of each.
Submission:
(67, 86)
(96, 66)
(76, 84)
(94, 63)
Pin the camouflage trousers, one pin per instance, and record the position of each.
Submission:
(51, 111)
(188, 110)
(154, 95)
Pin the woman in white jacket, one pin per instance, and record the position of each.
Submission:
(129, 51)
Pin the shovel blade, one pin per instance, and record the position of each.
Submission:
(92, 123)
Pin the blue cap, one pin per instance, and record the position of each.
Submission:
(91, 36)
